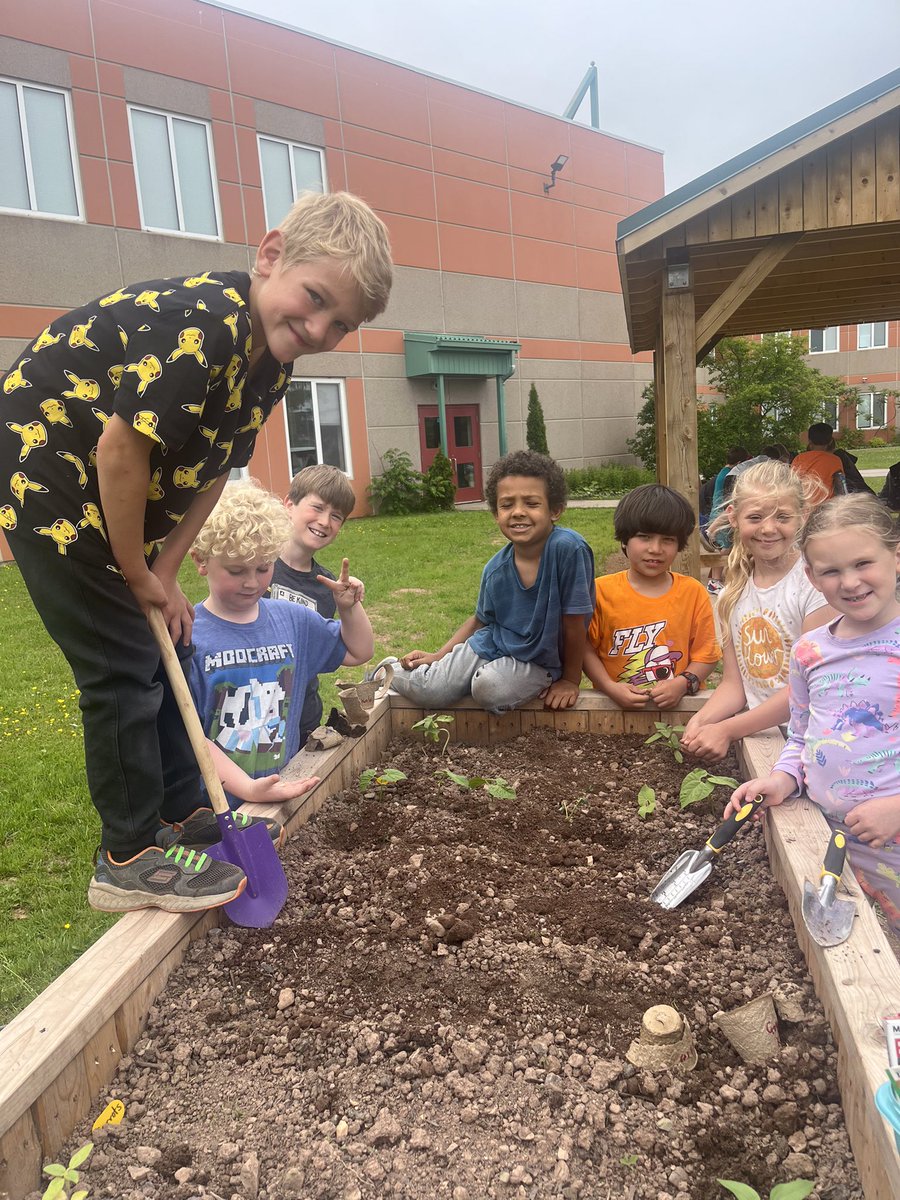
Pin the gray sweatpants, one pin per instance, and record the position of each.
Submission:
(497, 685)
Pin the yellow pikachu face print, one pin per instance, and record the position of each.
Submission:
(155, 491)
(45, 339)
(15, 379)
(209, 434)
(148, 370)
(280, 381)
(93, 519)
(188, 477)
(234, 398)
(20, 485)
(115, 374)
(33, 435)
(55, 412)
(150, 299)
(194, 281)
(76, 463)
(82, 389)
(145, 422)
(231, 294)
(63, 533)
(79, 336)
(231, 321)
(233, 370)
(190, 341)
(115, 298)
(8, 518)
(255, 422)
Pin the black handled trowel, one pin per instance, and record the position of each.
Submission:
(690, 869)
(828, 919)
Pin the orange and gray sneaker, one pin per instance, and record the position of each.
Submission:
(201, 829)
(176, 879)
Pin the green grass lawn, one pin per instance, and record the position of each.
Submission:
(883, 456)
(421, 575)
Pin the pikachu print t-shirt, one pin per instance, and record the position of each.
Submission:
(764, 625)
(170, 357)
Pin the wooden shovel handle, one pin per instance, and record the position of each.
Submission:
(182, 694)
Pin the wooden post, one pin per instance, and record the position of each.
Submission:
(678, 413)
(659, 394)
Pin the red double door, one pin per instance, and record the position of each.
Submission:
(463, 445)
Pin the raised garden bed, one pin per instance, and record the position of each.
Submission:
(59, 1055)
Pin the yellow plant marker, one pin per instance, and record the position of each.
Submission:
(111, 1115)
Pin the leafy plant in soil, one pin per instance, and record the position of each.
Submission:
(797, 1189)
(431, 731)
(571, 808)
(61, 1177)
(381, 779)
(670, 735)
(646, 801)
(498, 787)
(698, 784)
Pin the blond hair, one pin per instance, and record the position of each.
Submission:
(248, 523)
(857, 511)
(771, 480)
(340, 225)
(328, 483)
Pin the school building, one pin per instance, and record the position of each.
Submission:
(867, 358)
(149, 138)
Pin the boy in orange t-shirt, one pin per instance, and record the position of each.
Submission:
(653, 635)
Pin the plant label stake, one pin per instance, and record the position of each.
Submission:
(249, 847)
(692, 867)
(829, 920)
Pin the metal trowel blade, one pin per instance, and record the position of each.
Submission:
(681, 879)
(828, 924)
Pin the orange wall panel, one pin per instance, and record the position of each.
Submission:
(381, 341)
(124, 190)
(65, 26)
(476, 170)
(248, 156)
(220, 106)
(112, 78)
(386, 146)
(460, 202)
(336, 170)
(598, 271)
(175, 42)
(475, 251)
(115, 124)
(95, 189)
(414, 243)
(534, 141)
(377, 96)
(24, 321)
(596, 160)
(255, 215)
(232, 209)
(282, 78)
(83, 72)
(595, 229)
(454, 128)
(225, 151)
(542, 216)
(645, 173)
(391, 187)
(545, 262)
(88, 127)
(243, 31)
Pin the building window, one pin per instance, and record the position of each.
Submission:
(173, 160)
(872, 336)
(316, 416)
(288, 169)
(870, 410)
(831, 414)
(823, 341)
(37, 149)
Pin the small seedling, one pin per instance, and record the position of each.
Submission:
(498, 787)
(571, 808)
(646, 801)
(671, 735)
(430, 728)
(381, 779)
(62, 1177)
(797, 1189)
(628, 1160)
(699, 784)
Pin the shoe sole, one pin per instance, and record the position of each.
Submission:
(104, 897)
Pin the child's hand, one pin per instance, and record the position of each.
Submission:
(348, 592)
(627, 696)
(775, 787)
(670, 692)
(875, 822)
(418, 658)
(562, 693)
(707, 742)
(270, 789)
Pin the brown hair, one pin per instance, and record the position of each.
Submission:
(654, 508)
(328, 483)
(854, 511)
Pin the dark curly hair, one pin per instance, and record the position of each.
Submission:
(529, 462)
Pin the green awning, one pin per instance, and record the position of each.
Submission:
(434, 354)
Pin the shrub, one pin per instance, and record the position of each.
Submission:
(398, 490)
(876, 443)
(439, 484)
(535, 429)
(605, 482)
(849, 439)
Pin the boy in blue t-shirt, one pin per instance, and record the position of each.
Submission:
(528, 634)
(254, 657)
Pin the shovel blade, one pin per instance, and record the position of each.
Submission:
(684, 876)
(251, 849)
(828, 924)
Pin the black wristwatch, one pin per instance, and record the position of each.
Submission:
(692, 681)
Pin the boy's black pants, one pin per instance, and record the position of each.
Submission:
(140, 765)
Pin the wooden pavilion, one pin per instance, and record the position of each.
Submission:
(799, 232)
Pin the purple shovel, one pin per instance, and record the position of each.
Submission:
(246, 846)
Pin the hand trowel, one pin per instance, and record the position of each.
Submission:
(828, 919)
(690, 869)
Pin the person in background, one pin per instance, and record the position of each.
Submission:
(819, 460)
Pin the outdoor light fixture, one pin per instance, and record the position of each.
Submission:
(555, 168)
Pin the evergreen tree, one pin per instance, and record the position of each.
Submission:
(535, 429)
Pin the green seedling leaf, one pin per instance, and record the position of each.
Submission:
(743, 1191)
(81, 1194)
(646, 801)
(679, 757)
(55, 1189)
(654, 737)
(694, 788)
(380, 778)
(501, 789)
(797, 1189)
(722, 781)
(366, 778)
(462, 780)
(55, 1170)
(628, 1160)
(81, 1155)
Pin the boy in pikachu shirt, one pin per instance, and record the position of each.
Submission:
(652, 636)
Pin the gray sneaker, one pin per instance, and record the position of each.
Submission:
(201, 829)
(175, 880)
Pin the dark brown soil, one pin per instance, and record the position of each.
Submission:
(444, 1005)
